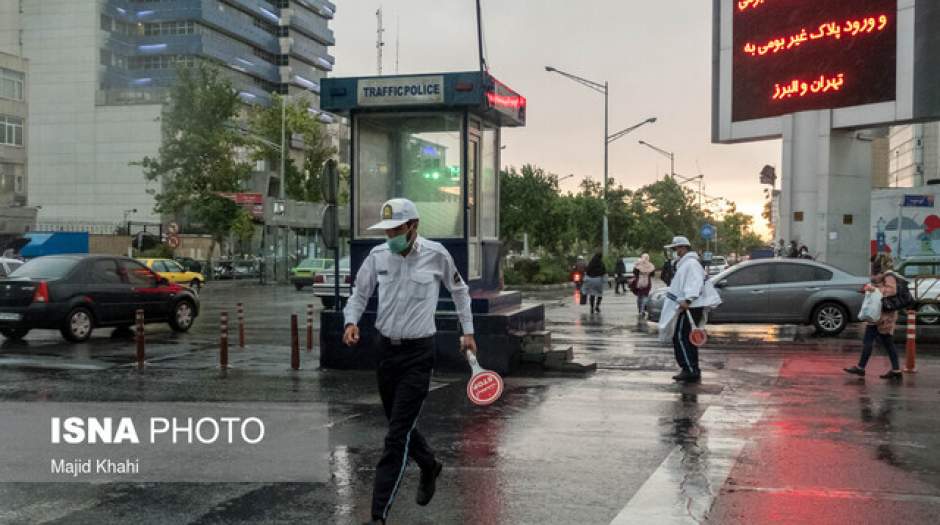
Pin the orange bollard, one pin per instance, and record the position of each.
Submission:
(309, 327)
(223, 340)
(241, 326)
(910, 348)
(139, 319)
(294, 344)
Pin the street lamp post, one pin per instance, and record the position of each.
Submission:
(608, 138)
(685, 180)
(283, 189)
(671, 155)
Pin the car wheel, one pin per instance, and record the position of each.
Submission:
(830, 319)
(928, 314)
(184, 313)
(298, 287)
(78, 325)
(14, 334)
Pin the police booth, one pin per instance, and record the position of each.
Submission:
(433, 139)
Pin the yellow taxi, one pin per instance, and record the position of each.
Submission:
(175, 273)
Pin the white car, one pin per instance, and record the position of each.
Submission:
(324, 284)
(7, 265)
(717, 265)
(923, 274)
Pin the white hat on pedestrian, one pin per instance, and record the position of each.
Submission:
(396, 212)
(678, 241)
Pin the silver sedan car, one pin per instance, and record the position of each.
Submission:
(783, 291)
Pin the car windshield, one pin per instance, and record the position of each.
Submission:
(173, 266)
(718, 260)
(46, 268)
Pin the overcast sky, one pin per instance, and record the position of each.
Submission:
(655, 54)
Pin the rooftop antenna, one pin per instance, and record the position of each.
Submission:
(379, 44)
(397, 42)
(483, 65)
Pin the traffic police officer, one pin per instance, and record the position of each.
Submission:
(408, 270)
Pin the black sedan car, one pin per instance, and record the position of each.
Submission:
(77, 293)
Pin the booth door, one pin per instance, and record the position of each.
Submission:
(474, 247)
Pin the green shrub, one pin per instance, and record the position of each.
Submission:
(512, 277)
(547, 270)
(161, 251)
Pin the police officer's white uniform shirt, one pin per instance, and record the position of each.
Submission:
(408, 290)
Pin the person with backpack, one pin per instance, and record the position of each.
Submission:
(895, 296)
(642, 283)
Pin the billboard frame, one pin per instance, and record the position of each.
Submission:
(918, 57)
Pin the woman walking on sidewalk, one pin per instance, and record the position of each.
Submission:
(884, 280)
(642, 283)
(593, 285)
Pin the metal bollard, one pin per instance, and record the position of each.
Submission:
(910, 348)
(309, 327)
(294, 344)
(139, 320)
(223, 340)
(241, 326)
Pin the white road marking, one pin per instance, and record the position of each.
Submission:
(684, 487)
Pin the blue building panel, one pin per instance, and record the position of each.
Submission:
(312, 25)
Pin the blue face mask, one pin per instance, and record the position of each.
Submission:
(398, 243)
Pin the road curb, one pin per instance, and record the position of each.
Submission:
(538, 287)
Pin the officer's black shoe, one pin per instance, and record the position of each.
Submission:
(855, 371)
(376, 521)
(679, 376)
(686, 376)
(428, 484)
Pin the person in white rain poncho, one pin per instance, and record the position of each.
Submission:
(689, 292)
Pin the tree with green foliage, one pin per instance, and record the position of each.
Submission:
(198, 158)
(640, 220)
(303, 182)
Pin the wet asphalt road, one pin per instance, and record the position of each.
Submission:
(776, 433)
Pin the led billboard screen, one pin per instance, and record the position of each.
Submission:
(797, 55)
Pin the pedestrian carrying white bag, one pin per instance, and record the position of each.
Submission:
(871, 307)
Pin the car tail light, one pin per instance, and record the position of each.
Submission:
(319, 279)
(41, 295)
(348, 279)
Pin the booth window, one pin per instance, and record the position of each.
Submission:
(415, 156)
(489, 203)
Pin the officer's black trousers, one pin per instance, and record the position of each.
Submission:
(686, 352)
(404, 376)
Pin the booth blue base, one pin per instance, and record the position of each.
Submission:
(497, 336)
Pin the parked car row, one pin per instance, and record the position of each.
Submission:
(321, 275)
(76, 294)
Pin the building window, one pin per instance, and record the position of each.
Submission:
(11, 84)
(11, 131)
(847, 220)
(797, 216)
(183, 27)
(161, 62)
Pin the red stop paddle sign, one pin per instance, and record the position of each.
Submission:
(485, 386)
(698, 336)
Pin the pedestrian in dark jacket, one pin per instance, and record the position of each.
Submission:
(593, 285)
(668, 271)
(621, 271)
